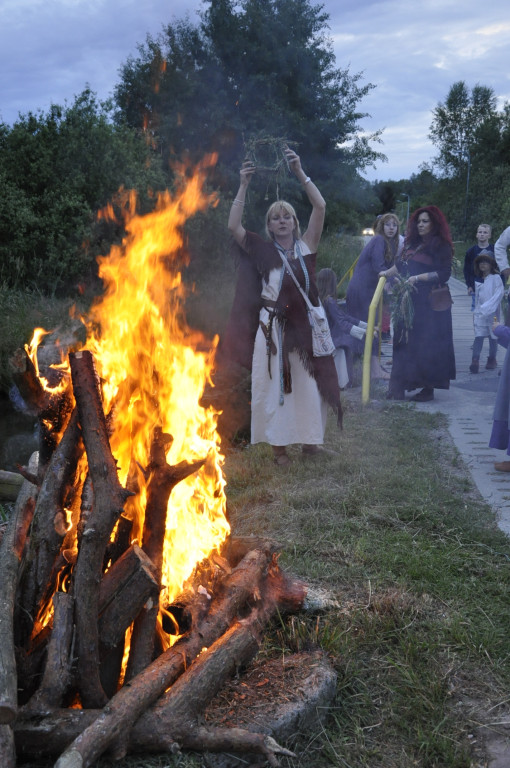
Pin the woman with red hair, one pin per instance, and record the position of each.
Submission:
(423, 356)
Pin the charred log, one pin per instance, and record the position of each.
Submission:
(11, 549)
(57, 671)
(131, 701)
(162, 479)
(48, 529)
(109, 499)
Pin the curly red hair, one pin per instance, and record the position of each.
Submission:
(438, 239)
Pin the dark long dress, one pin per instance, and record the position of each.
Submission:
(500, 435)
(425, 356)
(363, 282)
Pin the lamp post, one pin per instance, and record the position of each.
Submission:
(404, 194)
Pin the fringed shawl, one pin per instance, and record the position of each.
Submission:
(254, 262)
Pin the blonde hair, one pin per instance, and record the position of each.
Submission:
(487, 226)
(389, 253)
(282, 205)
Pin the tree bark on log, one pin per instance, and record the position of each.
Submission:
(120, 543)
(48, 531)
(163, 478)
(52, 407)
(124, 590)
(11, 549)
(57, 671)
(131, 701)
(170, 719)
(7, 747)
(109, 499)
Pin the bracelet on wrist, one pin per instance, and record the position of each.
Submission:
(238, 202)
(306, 181)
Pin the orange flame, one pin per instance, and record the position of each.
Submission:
(154, 375)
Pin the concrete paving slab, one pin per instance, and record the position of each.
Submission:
(469, 406)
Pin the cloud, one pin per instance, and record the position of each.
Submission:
(51, 49)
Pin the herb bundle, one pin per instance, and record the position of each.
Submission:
(402, 306)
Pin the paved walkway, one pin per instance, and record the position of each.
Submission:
(469, 404)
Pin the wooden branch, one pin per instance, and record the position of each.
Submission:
(11, 548)
(25, 377)
(121, 542)
(7, 747)
(162, 479)
(129, 703)
(52, 408)
(109, 498)
(169, 720)
(124, 590)
(57, 672)
(48, 529)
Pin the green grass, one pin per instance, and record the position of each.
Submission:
(20, 313)
(391, 525)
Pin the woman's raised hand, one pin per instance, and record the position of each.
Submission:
(246, 172)
(293, 159)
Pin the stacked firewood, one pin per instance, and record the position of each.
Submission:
(71, 592)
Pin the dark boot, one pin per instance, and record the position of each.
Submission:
(474, 365)
(491, 364)
(424, 395)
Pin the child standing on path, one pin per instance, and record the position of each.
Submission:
(488, 295)
(483, 234)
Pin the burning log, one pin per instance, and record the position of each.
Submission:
(7, 747)
(11, 549)
(57, 672)
(162, 480)
(171, 722)
(109, 498)
(131, 701)
(48, 530)
(52, 407)
(124, 590)
(67, 650)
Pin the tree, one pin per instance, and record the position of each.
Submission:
(58, 169)
(255, 68)
(456, 122)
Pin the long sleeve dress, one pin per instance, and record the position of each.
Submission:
(423, 356)
(269, 325)
(500, 436)
(363, 283)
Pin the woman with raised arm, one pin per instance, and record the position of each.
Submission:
(290, 387)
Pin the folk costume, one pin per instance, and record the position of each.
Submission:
(423, 355)
(363, 282)
(269, 333)
(500, 435)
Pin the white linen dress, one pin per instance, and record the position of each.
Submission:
(301, 418)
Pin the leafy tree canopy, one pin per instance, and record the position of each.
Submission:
(250, 69)
(57, 170)
(456, 123)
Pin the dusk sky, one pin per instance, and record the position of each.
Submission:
(50, 50)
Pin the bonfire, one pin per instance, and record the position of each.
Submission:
(124, 600)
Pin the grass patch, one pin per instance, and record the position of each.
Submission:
(20, 313)
(392, 526)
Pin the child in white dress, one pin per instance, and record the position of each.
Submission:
(488, 295)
